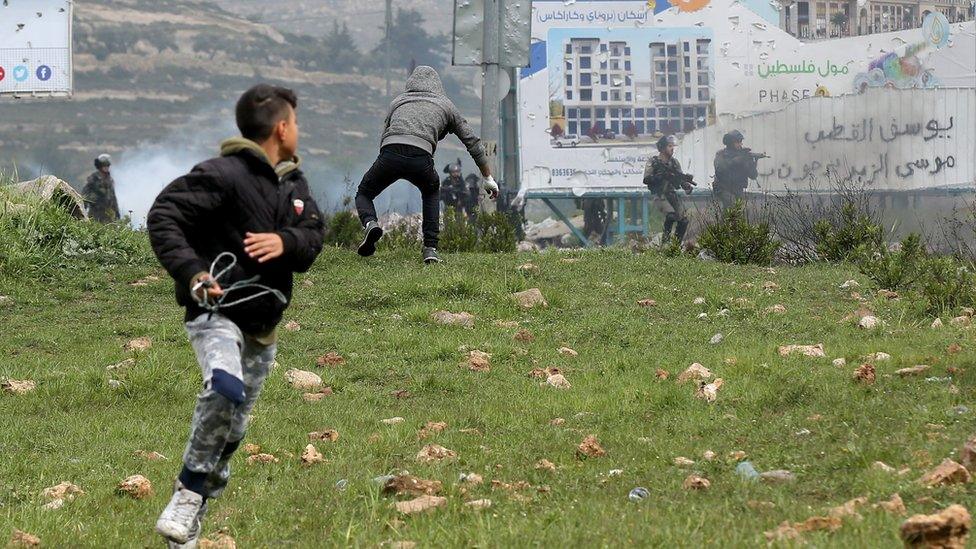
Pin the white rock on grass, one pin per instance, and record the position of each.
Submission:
(301, 379)
(869, 322)
(699, 301)
(716, 339)
(849, 284)
(840, 362)
(937, 323)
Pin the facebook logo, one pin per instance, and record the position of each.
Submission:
(44, 73)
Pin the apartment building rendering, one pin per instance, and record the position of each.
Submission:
(602, 89)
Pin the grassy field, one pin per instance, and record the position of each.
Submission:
(801, 414)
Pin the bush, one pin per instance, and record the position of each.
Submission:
(458, 235)
(39, 238)
(402, 234)
(853, 234)
(895, 270)
(732, 238)
(947, 283)
(343, 230)
(496, 232)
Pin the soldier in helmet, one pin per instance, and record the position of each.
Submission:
(453, 187)
(663, 177)
(734, 167)
(99, 192)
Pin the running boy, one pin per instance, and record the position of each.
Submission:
(254, 203)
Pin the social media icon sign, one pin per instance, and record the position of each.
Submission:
(21, 73)
(3, 74)
(44, 73)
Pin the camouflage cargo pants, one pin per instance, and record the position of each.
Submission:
(234, 367)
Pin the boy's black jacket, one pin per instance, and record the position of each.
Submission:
(209, 210)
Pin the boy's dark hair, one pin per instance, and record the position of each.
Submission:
(260, 108)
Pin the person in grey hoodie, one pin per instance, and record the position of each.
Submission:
(418, 119)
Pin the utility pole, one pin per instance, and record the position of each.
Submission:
(389, 24)
(490, 115)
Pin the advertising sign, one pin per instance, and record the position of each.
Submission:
(35, 47)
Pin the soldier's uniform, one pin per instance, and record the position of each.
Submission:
(733, 170)
(99, 195)
(452, 189)
(663, 178)
(471, 196)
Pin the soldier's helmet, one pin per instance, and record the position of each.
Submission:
(664, 142)
(733, 136)
(103, 161)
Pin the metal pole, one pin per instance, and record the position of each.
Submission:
(389, 23)
(490, 115)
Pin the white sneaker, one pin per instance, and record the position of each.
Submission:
(194, 538)
(179, 518)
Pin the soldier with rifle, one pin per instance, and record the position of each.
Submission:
(663, 177)
(735, 165)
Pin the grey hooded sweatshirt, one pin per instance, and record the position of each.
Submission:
(423, 115)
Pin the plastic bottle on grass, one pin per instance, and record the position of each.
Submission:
(638, 494)
(746, 470)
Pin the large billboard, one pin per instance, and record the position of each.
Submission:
(35, 47)
(608, 78)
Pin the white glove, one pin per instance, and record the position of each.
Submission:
(490, 187)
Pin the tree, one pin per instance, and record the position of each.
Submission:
(341, 53)
(410, 43)
(556, 131)
(630, 130)
(839, 19)
(595, 132)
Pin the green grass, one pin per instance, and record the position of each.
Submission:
(74, 427)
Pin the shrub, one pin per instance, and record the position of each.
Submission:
(457, 234)
(343, 230)
(853, 234)
(947, 283)
(895, 270)
(732, 238)
(496, 233)
(402, 233)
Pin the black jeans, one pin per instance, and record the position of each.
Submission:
(397, 162)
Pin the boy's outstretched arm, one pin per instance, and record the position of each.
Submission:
(303, 241)
(177, 211)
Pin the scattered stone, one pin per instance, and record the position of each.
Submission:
(954, 349)
(723, 312)
(53, 505)
(736, 455)
(776, 309)
(465, 320)
(136, 486)
(543, 373)
(293, 326)
(6, 301)
(947, 529)
(434, 453)
(913, 371)
(478, 504)
(699, 301)
(848, 509)
(220, 540)
(716, 339)
(529, 269)
(831, 524)
(331, 358)
(556, 422)
(431, 428)
(138, 344)
(301, 379)
(311, 455)
(887, 294)
(23, 539)
(530, 298)
(661, 374)
(877, 357)
(869, 322)
(695, 482)
(709, 455)
(770, 286)
(882, 466)
(317, 396)
(473, 479)
(840, 362)
(647, 303)
(936, 324)
(114, 384)
(477, 361)
(694, 372)
(895, 505)
(558, 381)
(545, 465)
(947, 472)
(961, 322)
(566, 351)
(410, 485)
(420, 504)
(968, 455)
(392, 421)
(261, 458)
(18, 387)
(252, 449)
(590, 447)
(524, 336)
(149, 456)
(682, 461)
(702, 316)
(815, 351)
(778, 475)
(850, 284)
(65, 491)
(865, 373)
(709, 392)
(328, 435)
(124, 365)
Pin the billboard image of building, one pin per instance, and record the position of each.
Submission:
(630, 89)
